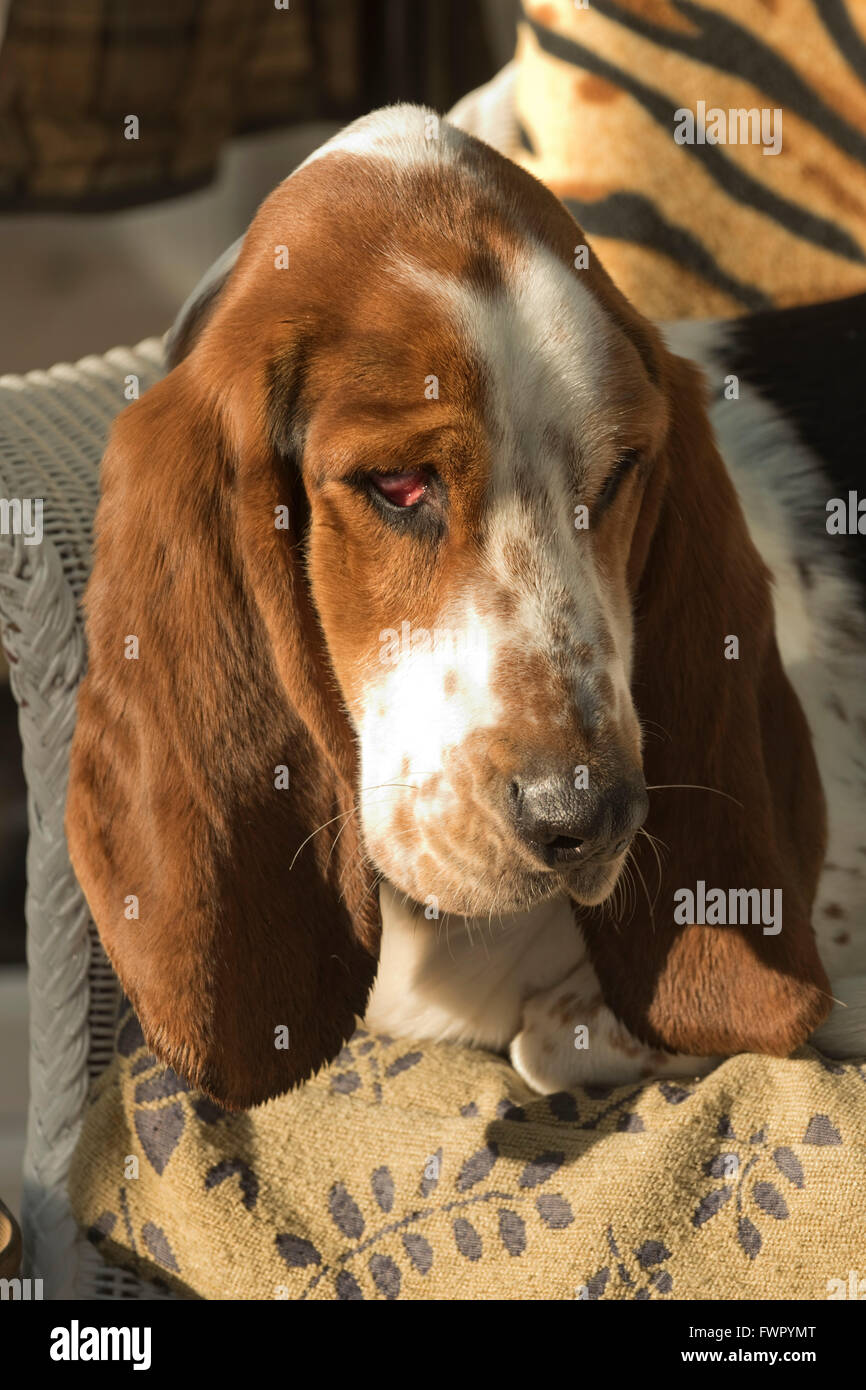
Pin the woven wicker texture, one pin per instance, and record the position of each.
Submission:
(53, 428)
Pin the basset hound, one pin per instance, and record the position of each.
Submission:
(435, 651)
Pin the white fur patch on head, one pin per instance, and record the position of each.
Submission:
(405, 135)
(433, 820)
(547, 346)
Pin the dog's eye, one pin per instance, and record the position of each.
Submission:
(401, 489)
(623, 467)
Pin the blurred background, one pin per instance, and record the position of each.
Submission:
(105, 227)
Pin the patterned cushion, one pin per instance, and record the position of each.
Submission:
(423, 1171)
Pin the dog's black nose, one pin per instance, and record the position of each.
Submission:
(563, 823)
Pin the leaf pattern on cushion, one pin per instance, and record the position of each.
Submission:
(554, 1211)
(563, 1105)
(630, 1278)
(297, 1251)
(419, 1250)
(386, 1275)
(821, 1131)
(541, 1169)
(478, 1167)
(467, 1239)
(345, 1212)
(363, 1066)
(749, 1237)
(409, 1059)
(389, 1227)
(507, 1110)
(770, 1200)
(712, 1203)
(652, 1252)
(348, 1288)
(674, 1095)
(382, 1184)
(230, 1168)
(102, 1227)
(512, 1232)
(208, 1111)
(346, 1082)
(156, 1241)
(130, 1038)
(159, 1132)
(515, 1211)
(164, 1083)
(761, 1195)
(789, 1164)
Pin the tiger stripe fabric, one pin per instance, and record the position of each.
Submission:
(714, 226)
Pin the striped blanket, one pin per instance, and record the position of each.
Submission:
(713, 153)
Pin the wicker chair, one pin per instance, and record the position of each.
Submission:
(53, 429)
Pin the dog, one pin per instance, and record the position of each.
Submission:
(436, 675)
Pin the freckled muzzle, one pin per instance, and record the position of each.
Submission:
(497, 831)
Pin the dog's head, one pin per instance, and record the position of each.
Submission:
(430, 561)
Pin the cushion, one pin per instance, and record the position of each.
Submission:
(701, 230)
(425, 1171)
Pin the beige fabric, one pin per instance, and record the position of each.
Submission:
(432, 1172)
(702, 230)
(195, 73)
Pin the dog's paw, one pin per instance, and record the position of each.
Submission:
(569, 1037)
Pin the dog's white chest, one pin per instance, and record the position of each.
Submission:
(459, 980)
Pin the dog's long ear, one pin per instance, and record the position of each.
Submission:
(733, 728)
(210, 813)
(200, 304)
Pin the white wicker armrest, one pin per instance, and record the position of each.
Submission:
(53, 429)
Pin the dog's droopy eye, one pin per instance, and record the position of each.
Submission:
(401, 489)
(624, 466)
